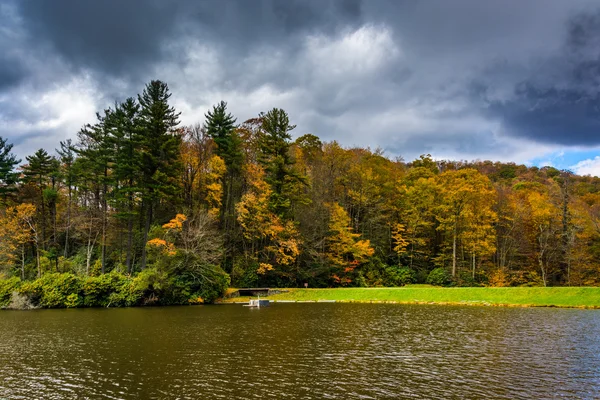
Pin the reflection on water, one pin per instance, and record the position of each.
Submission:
(309, 351)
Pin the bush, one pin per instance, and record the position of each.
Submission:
(105, 290)
(466, 279)
(54, 291)
(7, 287)
(377, 273)
(439, 277)
(401, 276)
(149, 287)
(213, 285)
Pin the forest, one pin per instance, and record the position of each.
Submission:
(142, 210)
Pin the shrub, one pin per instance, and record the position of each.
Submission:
(7, 287)
(401, 276)
(466, 279)
(149, 287)
(439, 277)
(54, 291)
(377, 273)
(214, 284)
(105, 290)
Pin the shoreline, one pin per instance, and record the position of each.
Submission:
(551, 297)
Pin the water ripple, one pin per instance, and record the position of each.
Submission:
(308, 351)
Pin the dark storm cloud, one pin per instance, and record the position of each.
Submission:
(11, 72)
(408, 75)
(560, 101)
(123, 37)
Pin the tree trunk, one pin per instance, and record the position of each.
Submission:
(146, 230)
(66, 253)
(23, 262)
(43, 218)
(104, 219)
(542, 268)
(473, 262)
(128, 262)
(454, 251)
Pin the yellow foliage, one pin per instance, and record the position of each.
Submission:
(214, 185)
(401, 243)
(196, 300)
(176, 223)
(499, 278)
(166, 247)
(280, 240)
(264, 268)
(16, 229)
(157, 242)
(344, 248)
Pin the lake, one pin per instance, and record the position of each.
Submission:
(301, 351)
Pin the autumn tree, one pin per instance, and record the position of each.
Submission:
(345, 250)
(270, 241)
(17, 229)
(465, 215)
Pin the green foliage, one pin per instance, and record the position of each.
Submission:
(214, 284)
(439, 277)
(8, 161)
(54, 290)
(466, 279)
(377, 273)
(107, 289)
(7, 287)
(220, 126)
(244, 274)
(149, 287)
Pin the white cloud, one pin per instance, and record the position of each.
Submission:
(351, 54)
(53, 115)
(587, 167)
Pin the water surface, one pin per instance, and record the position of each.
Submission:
(308, 351)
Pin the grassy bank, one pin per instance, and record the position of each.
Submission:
(581, 297)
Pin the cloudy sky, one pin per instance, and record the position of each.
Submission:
(510, 80)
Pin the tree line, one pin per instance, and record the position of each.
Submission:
(242, 202)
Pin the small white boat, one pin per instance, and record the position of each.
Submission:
(257, 303)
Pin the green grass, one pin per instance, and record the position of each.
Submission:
(582, 297)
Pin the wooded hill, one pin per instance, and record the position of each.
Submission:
(139, 191)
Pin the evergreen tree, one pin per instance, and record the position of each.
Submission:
(37, 172)
(127, 166)
(98, 150)
(275, 157)
(159, 151)
(220, 126)
(67, 159)
(8, 161)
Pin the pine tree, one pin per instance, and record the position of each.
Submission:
(275, 157)
(127, 166)
(37, 172)
(220, 126)
(159, 151)
(8, 177)
(67, 158)
(98, 149)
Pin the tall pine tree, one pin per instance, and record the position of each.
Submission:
(159, 151)
(8, 177)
